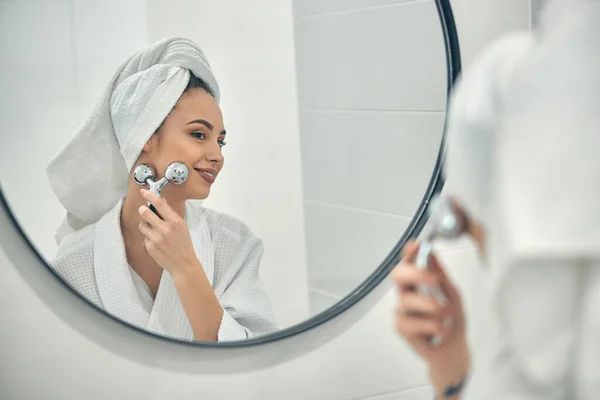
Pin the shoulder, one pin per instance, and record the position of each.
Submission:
(74, 263)
(492, 68)
(234, 241)
(224, 224)
(476, 102)
(75, 251)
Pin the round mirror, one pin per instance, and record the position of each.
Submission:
(285, 162)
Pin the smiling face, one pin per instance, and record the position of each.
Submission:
(193, 134)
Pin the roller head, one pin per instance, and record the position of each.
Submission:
(177, 173)
(143, 173)
(447, 220)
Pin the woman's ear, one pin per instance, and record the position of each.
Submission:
(150, 144)
(146, 148)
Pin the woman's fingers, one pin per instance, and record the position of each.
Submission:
(410, 250)
(149, 216)
(418, 328)
(415, 304)
(148, 231)
(408, 278)
(161, 205)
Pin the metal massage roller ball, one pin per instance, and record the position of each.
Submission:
(145, 175)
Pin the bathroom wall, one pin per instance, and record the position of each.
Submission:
(367, 362)
(374, 100)
(66, 52)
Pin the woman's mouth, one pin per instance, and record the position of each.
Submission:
(209, 175)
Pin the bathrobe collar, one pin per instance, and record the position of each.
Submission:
(119, 289)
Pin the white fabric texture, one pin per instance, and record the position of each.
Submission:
(93, 262)
(524, 133)
(91, 173)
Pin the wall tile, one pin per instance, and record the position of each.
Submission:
(376, 161)
(370, 60)
(321, 301)
(344, 246)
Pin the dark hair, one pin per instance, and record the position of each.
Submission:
(197, 83)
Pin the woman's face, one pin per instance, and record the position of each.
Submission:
(193, 134)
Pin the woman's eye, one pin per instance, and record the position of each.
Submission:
(222, 143)
(199, 135)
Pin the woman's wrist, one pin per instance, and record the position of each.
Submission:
(448, 380)
(192, 271)
(450, 391)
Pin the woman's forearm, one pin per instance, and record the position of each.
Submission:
(199, 303)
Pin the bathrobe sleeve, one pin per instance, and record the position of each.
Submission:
(238, 251)
(246, 307)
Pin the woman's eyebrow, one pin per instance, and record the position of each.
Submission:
(207, 124)
(203, 122)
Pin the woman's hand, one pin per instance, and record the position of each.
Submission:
(168, 239)
(420, 317)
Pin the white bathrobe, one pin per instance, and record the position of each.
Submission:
(523, 143)
(93, 262)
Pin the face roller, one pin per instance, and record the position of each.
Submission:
(145, 175)
(447, 222)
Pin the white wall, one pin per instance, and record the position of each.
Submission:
(61, 61)
(374, 99)
(366, 362)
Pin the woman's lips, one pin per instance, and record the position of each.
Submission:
(208, 175)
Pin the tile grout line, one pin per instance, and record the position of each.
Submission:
(325, 293)
(356, 209)
(374, 396)
(358, 9)
(364, 111)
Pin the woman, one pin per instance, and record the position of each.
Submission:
(522, 160)
(191, 273)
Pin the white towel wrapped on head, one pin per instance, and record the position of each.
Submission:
(91, 173)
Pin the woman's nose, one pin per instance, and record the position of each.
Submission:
(215, 154)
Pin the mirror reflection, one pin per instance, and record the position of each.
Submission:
(219, 186)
